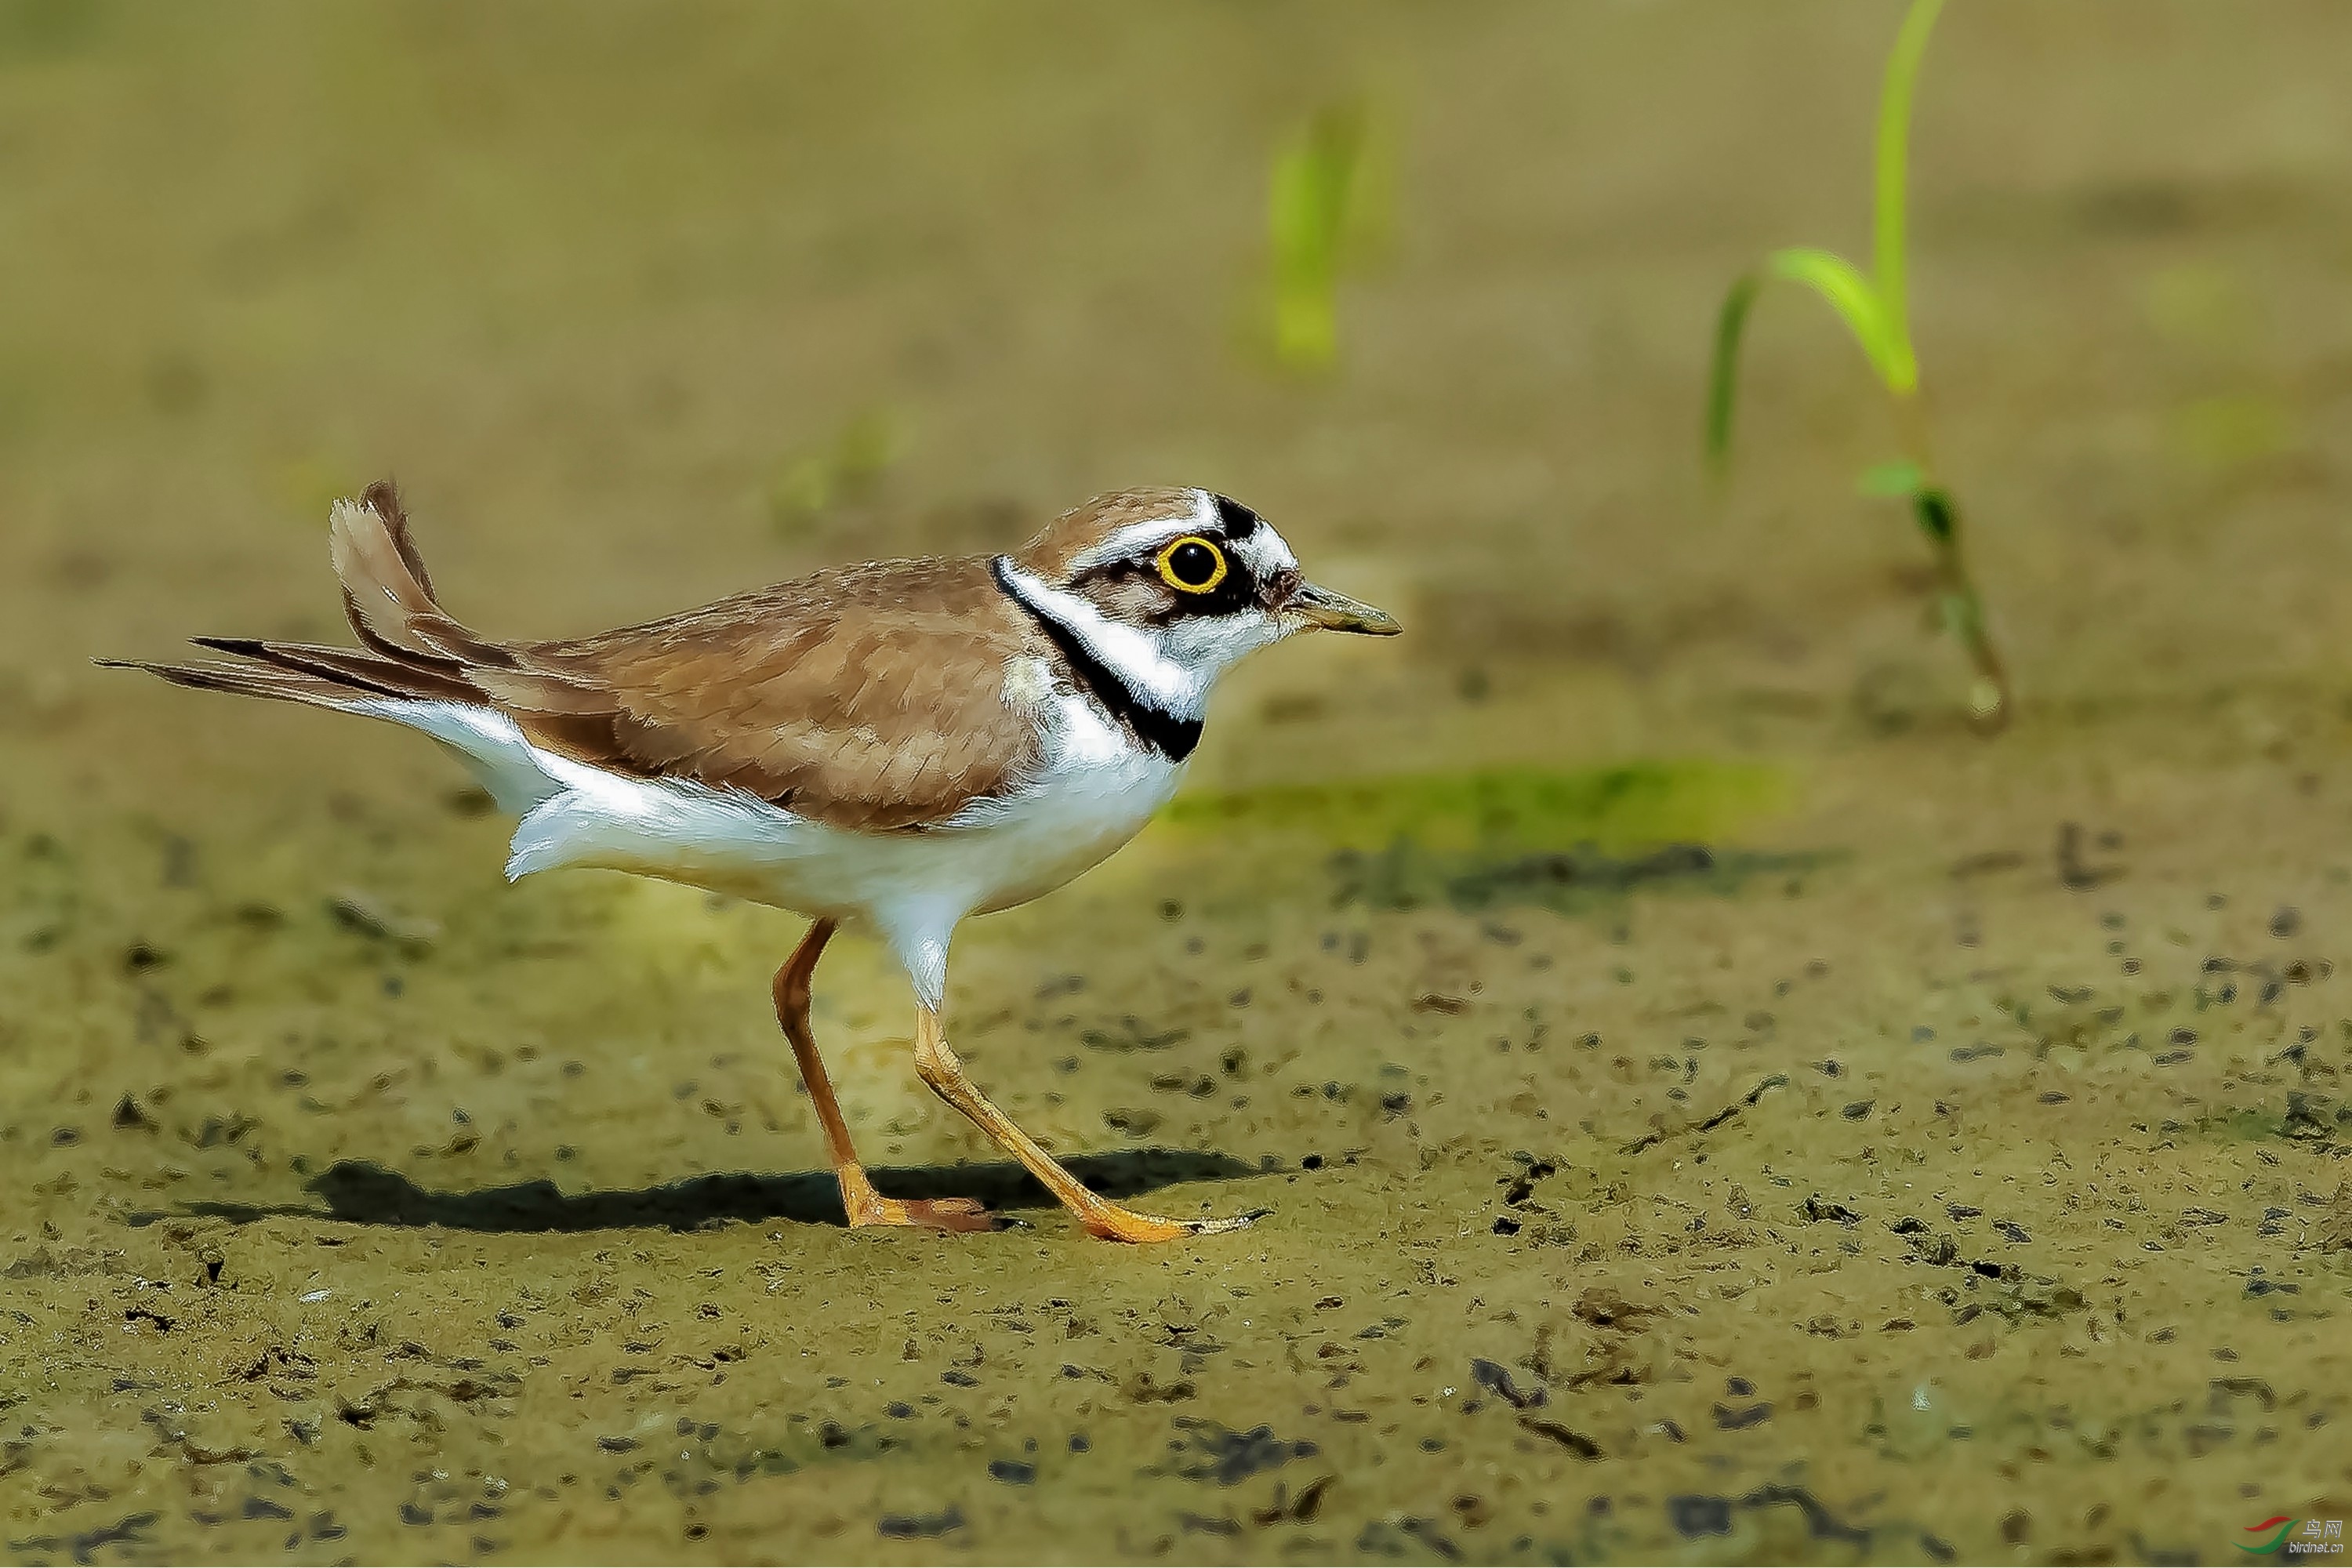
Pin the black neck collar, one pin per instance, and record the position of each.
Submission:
(1164, 732)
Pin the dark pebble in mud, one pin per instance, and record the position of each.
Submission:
(920, 1526)
(1820, 1522)
(1497, 1380)
(1226, 1457)
(1576, 1442)
(1815, 1210)
(2287, 922)
(1013, 1472)
(1693, 1516)
(1732, 1420)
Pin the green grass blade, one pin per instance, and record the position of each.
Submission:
(1723, 376)
(1902, 368)
(1841, 285)
(1853, 297)
(1309, 215)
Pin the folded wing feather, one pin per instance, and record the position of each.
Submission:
(869, 698)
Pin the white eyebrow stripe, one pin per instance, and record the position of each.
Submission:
(1136, 539)
(1262, 549)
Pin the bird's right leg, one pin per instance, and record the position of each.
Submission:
(859, 1201)
(940, 1068)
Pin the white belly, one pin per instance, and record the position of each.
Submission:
(1095, 791)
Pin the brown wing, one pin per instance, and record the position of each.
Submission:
(868, 698)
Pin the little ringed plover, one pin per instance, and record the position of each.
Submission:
(897, 744)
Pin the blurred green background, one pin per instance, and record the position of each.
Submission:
(645, 304)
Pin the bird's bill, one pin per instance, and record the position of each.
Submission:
(1319, 606)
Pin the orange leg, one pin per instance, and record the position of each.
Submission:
(863, 1204)
(1108, 1220)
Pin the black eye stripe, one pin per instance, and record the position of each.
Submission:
(1110, 571)
(1239, 587)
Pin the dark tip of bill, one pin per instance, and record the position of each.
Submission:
(1238, 521)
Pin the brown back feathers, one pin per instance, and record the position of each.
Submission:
(870, 697)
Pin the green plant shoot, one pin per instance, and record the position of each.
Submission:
(1876, 308)
(1312, 202)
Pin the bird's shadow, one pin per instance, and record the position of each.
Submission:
(360, 1191)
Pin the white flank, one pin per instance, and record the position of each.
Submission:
(1095, 790)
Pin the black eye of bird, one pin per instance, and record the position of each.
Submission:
(1192, 565)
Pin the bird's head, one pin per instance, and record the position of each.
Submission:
(1168, 588)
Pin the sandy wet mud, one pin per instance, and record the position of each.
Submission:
(1705, 1103)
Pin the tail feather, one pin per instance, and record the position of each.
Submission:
(418, 665)
(414, 651)
(246, 680)
(383, 497)
(387, 595)
(365, 672)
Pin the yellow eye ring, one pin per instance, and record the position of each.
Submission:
(1180, 565)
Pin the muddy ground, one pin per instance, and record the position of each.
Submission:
(1708, 1104)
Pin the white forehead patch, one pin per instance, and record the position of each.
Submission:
(1264, 551)
(1261, 550)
